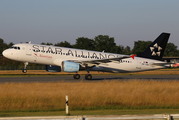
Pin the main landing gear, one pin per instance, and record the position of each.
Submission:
(87, 76)
(25, 66)
(76, 76)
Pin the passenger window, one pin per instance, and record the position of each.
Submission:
(18, 48)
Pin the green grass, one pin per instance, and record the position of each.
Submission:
(91, 112)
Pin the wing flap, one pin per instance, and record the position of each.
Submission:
(99, 61)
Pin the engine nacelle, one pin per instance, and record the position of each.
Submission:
(53, 68)
(68, 66)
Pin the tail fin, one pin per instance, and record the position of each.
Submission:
(157, 48)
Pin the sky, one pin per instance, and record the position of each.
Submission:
(55, 21)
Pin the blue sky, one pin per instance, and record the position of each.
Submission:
(59, 20)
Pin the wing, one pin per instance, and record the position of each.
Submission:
(93, 62)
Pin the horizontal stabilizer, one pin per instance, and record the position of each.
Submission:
(161, 64)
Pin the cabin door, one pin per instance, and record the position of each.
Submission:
(139, 62)
(28, 50)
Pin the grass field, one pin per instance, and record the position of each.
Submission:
(114, 97)
(133, 94)
(91, 112)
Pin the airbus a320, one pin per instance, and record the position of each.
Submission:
(57, 59)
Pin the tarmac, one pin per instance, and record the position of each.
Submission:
(96, 78)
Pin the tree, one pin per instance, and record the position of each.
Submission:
(171, 50)
(104, 42)
(127, 50)
(3, 45)
(119, 49)
(10, 44)
(140, 46)
(64, 44)
(84, 43)
(46, 43)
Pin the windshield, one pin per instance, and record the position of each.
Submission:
(15, 47)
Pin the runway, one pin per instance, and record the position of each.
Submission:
(96, 78)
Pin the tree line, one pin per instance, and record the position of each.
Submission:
(99, 43)
(107, 44)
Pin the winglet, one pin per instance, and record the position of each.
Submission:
(132, 56)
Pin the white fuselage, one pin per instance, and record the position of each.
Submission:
(52, 55)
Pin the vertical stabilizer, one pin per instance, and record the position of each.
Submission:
(157, 48)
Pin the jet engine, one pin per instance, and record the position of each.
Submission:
(50, 68)
(68, 66)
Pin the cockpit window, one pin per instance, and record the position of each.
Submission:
(15, 47)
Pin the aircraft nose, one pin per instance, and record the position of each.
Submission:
(5, 53)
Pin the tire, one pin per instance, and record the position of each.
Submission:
(88, 77)
(24, 70)
(76, 76)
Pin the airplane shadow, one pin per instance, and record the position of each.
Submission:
(135, 78)
(112, 78)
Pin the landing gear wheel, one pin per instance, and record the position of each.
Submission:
(25, 66)
(88, 77)
(24, 70)
(76, 76)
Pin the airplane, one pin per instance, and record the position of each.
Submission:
(58, 59)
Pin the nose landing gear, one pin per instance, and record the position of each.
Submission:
(25, 66)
